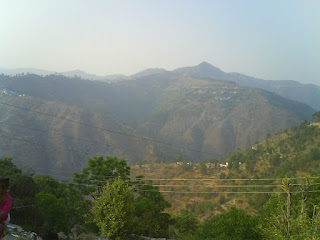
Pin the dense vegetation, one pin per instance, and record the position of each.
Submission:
(289, 153)
(204, 114)
(103, 199)
(48, 142)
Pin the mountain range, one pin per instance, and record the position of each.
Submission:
(197, 112)
(306, 93)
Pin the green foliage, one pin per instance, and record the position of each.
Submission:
(203, 167)
(8, 168)
(185, 167)
(125, 208)
(316, 116)
(272, 218)
(234, 224)
(186, 224)
(75, 208)
(179, 116)
(201, 209)
(292, 216)
(114, 211)
(101, 170)
(47, 184)
(258, 200)
(43, 204)
(22, 189)
(52, 212)
(222, 175)
(222, 199)
(149, 206)
(288, 152)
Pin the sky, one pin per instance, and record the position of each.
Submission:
(269, 39)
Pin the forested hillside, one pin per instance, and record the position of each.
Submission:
(205, 117)
(293, 153)
(289, 153)
(270, 191)
(306, 93)
(51, 137)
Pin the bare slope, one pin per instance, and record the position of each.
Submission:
(56, 146)
(210, 116)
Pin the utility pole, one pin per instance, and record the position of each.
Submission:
(304, 189)
(286, 184)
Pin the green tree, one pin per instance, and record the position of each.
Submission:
(203, 167)
(53, 213)
(316, 116)
(22, 189)
(273, 219)
(63, 198)
(149, 206)
(234, 224)
(186, 224)
(297, 217)
(100, 170)
(114, 211)
(48, 184)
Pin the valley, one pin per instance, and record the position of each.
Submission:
(155, 116)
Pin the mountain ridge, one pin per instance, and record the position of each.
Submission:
(201, 113)
(294, 90)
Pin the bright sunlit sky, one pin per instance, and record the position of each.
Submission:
(270, 39)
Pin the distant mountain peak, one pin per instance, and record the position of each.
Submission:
(203, 70)
(205, 64)
(148, 72)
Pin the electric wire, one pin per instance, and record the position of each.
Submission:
(47, 131)
(222, 192)
(111, 131)
(218, 179)
(225, 186)
(24, 206)
(209, 179)
(128, 149)
(199, 186)
(39, 146)
(59, 148)
(51, 175)
(83, 139)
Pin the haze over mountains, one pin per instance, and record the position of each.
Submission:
(306, 93)
(74, 73)
(203, 109)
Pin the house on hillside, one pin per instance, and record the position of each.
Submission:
(224, 165)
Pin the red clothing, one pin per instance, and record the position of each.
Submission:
(5, 207)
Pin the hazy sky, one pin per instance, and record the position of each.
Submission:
(270, 39)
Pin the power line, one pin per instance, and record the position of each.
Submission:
(51, 175)
(24, 206)
(52, 170)
(39, 146)
(50, 131)
(208, 179)
(200, 192)
(212, 186)
(84, 139)
(215, 186)
(218, 179)
(111, 131)
(64, 149)
(221, 192)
